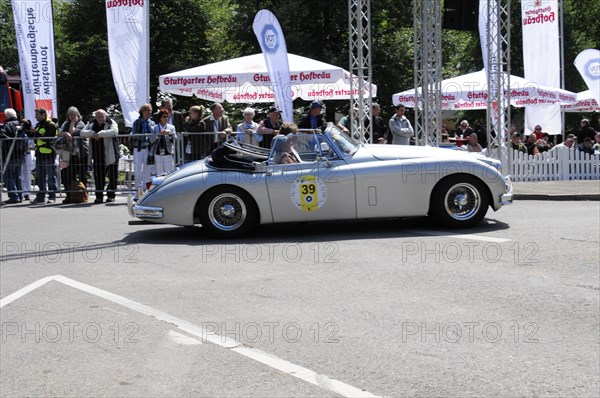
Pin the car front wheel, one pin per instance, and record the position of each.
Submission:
(459, 201)
(227, 212)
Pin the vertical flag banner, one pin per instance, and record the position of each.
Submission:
(541, 59)
(270, 36)
(484, 26)
(34, 28)
(588, 65)
(128, 31)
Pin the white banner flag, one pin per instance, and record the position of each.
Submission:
(588, 64)
(270, 36)
(128, 31)
(34, 28)
(541, 59)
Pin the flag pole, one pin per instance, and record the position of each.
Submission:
(562, 60)
(147, 16)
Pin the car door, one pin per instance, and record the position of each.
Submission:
(315, 189)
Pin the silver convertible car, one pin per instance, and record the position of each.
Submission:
(317, 176)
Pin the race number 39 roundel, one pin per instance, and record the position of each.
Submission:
(308, 193)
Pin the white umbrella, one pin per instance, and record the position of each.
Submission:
(246, 80)
(469, 91)
(585, 103)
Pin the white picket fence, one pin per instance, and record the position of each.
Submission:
(560, 163)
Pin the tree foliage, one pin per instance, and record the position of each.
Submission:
(189, 33)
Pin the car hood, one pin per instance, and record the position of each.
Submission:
(393, 152)
(403, 152)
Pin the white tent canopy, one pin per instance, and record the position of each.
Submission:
(469, 92)
(246, 80)
(585, 103)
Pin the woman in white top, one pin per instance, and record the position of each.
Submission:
(247, 129)
(163, 144)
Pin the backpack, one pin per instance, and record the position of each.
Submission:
(22, 141)
(79, 192)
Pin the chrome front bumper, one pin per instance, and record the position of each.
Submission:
(147, 212)
(507, 197)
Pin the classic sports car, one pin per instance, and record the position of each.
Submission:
(313, 176)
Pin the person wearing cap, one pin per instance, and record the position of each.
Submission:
(313, 119)
(269, 127)
(217, 123)
(248, 129)
(400, 127)
(516, 144)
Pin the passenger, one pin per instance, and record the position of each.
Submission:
(284, 152)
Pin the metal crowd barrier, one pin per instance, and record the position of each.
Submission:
(125, 182)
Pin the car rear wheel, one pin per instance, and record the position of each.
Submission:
(227, 212)
(459, 201)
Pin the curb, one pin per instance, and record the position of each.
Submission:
(556, 197)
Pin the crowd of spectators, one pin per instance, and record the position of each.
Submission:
(77, 148)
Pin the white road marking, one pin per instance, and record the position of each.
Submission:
(23, 291)
(272, 361)
(463, 236)
(182, 339)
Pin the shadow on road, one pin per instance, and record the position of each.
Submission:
(309, 232)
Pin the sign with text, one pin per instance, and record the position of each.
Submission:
(34, 29)
(541, 59)
(128, 29)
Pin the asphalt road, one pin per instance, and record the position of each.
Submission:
(388, 308)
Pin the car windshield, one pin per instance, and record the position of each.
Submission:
(300, 148)
(344, 143)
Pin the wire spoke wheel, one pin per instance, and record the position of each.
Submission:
(459, 201)
(227, 212)
(462, 201)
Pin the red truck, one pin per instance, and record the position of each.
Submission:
(10, 96)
